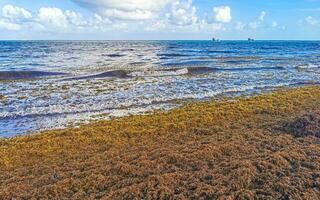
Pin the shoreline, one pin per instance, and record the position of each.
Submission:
(166, 106)
(230, 148)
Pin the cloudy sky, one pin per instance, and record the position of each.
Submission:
(159, 19)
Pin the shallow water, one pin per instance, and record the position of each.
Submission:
(56, 84)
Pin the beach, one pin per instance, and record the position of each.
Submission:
(241, 147)
(159, 100)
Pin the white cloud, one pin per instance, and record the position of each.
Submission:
(183, 13)
(75, 19)
(210, 27)
(262, 15)
(129, 5)
(100, 20)
(254, 25)
(240, 26)
(108, 15)
(258, 22)
(14, 17)
(126, 9)
(128, 15)
(57, 20)
(312, 21)
(52, 18)
(9, 26)
(120, 26)
(218, 27)
(158, 25)
(15, 13)
(222, 14)
(274, 24)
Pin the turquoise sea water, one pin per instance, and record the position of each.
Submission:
(52, 84)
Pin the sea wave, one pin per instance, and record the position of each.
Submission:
(108, 74)
(16, 75)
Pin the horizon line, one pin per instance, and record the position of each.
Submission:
(220, 40)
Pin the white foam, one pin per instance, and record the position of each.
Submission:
(157, 73)
(308, 66)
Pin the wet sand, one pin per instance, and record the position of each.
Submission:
(238, 148)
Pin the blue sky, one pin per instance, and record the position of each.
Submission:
(162, 19)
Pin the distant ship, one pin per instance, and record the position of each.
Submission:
(250, 39)
(215, 40)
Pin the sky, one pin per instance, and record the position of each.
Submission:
(159, 19)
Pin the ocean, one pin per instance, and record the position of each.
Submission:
(54, 84)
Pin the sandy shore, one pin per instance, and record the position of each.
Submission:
(232, 149)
